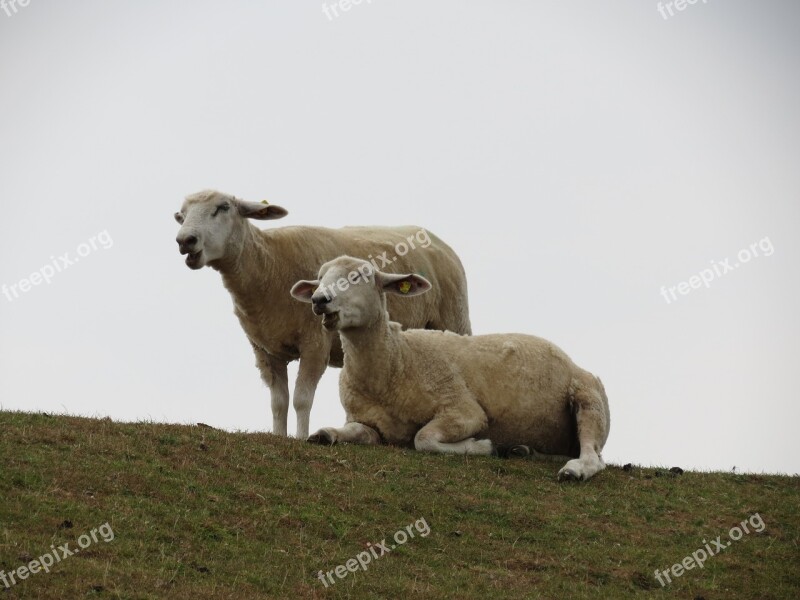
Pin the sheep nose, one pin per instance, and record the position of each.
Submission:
(319, 302)
(186, 243)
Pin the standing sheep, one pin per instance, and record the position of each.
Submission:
(259, 267)
(449, 393)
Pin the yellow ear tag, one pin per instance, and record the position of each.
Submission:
(265, 202)
(404, 287)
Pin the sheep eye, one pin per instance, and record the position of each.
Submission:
(221, 207)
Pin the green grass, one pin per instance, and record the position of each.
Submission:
(201, 513)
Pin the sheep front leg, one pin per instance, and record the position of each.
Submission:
(274, 374)
(279, 400)
(312, 366)
(351, 433)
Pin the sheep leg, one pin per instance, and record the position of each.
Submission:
(279, 400)
(548, 457)
(274, 374)
(451, 433)
(522, 451)
(312, 366)
(351, 433)
(591, 415)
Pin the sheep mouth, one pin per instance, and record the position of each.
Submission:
(193, 259)
(330, 320)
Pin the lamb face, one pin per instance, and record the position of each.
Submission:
(212, 221)
(346, 294)
(349, 293)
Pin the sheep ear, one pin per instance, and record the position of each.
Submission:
(404, 285)
(303, 290)
(262, 211)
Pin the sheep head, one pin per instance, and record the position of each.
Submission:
(212, 223)
(351, 293)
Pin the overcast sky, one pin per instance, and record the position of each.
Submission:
(578, 156)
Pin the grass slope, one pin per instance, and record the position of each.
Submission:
(200, 513)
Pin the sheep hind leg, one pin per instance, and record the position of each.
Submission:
(548, 457)
(591, 417)
(522, 451)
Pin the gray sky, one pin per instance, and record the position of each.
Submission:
(578, 156)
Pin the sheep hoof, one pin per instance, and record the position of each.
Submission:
(519, 451)
(569, 475)
(321, 437)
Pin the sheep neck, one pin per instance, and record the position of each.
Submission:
(249, 268)
(372, 355)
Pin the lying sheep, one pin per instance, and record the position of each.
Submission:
(449, 393)
(259, 267)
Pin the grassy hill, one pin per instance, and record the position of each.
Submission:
(200, 513)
